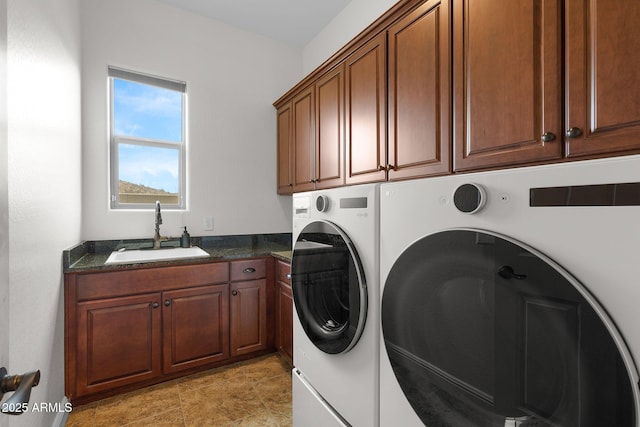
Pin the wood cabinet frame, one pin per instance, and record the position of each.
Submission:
(164, 303)
(419, 92)
(365, 107)
(602, 58)
(515, 84)
(507, 90)
(284, 311)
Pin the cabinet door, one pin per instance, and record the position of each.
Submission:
(420, 92)
(507, 82)
(330, 129)
(365, 94)
(603, 89)
(285, 160)
(284, 320)
(195, 326)
(248, 316)
(118, 342)
(304, 140)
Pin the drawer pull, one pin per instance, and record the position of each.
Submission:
(155, 305)
(167, 303)
(234, 292)
(548, 137)
(574, 132)
(249, 270)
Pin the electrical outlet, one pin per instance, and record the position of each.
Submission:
(207, 223)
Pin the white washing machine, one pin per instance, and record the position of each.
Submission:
(334, 276)
(511, 298)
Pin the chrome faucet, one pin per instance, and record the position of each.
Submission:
(157, 238)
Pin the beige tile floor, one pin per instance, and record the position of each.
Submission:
(256, 392)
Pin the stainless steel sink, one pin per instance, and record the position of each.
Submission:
(149, 255)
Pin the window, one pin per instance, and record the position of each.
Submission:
(147, 137)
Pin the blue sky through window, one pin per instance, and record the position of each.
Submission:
(150, 112)
(153, 167)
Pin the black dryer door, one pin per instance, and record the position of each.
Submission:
(329, 288)
(481, 330)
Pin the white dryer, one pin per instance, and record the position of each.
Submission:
(334, 276)
(510, 298)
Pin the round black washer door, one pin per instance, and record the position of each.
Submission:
(329, 287)
(482, 330)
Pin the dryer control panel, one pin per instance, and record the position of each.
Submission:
(301, 206)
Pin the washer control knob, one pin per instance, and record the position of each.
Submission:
(322, 203)
(469, 198)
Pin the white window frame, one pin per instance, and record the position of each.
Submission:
(115, 140)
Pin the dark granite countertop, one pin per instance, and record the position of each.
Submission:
(283, 255)
(91, 255)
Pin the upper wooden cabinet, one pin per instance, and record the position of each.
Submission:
(285, 150)
(303, 131)
(419, 91)
(510, 107)
(353, 104)
(366, 152)
(603, 89)
(408, 88)
(507, 82)
(295, 129)
(330, 129)
(440, 86)
(311, 136)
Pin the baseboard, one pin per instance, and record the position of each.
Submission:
(61, 417)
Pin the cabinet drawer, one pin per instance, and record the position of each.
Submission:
(130, 282)
(283, 270)
(248, 269)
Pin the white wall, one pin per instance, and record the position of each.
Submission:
(4, 198)
(232, 76)
(354, 18)
(43, 134)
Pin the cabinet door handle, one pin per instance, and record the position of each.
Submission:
(155, 305)
(381, 168)
(390, 167)
(289, 276)
(249, 270)
(573, 132)
(234, 292)
(167, 303)
(548, 137)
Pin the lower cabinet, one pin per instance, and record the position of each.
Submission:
(249, 309)
(195, 325)
(131, 328)
(119, 342)
(284, 311)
